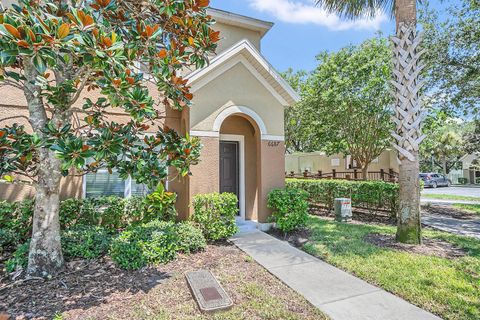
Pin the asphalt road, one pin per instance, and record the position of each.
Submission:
(458, 191)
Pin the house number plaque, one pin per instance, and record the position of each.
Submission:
(273, 143)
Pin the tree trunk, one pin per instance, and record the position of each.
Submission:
(364, 172)
(444, 166)
(408, 216)
(45, 257)
(407, 119)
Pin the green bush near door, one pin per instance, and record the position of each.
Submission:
(290, 208)
(215, 214)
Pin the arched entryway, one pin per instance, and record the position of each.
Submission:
(239, 154)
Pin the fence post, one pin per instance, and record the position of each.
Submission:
(355, 174)
(382, 174)
(334, 173)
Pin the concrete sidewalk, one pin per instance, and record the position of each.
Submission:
(335, 292)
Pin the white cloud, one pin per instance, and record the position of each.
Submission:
(301, 12)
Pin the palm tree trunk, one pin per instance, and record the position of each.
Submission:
(407, 119)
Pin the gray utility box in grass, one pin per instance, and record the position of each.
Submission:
(343, 209)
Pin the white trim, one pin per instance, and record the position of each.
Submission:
(246, 47)
(230, 64)
(273, 137)
(84, 186)
(199, 133)
(239, 20)
(241, 146)
(242, 110)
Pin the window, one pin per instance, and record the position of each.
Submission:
(335, 162)
(103, 183)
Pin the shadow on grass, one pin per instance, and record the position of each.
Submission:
(342, 239)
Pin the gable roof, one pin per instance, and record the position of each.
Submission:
(244, 52)
(238, 20)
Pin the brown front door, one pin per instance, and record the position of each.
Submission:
(229, 167)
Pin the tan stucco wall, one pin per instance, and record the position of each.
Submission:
(205, 175)
(236, 87)
(317, 161)
(230, 35)
(70, 187)
(272, 173)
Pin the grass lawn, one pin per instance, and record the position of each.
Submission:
(104, 292)
(450, 197)
(448, 288)
(472, 208)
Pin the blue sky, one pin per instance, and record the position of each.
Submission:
(301, 30)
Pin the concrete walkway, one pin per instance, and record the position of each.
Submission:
(469, 228)
(335, 292)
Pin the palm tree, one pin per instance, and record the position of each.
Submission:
(408, 114)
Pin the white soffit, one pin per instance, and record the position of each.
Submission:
(241, 21)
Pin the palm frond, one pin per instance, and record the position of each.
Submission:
(353, 9)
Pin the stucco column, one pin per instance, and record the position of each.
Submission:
(272, 173)
(180, 122)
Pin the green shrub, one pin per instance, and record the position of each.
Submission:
(8, 238)
(19, 258)
(462, 180)
(161, 204)
(190, 238)
(151, 243)
(81, 241)
(215, 214)
(372, 195)
(17, 217)
(111, 212)
(135, 211)
(290, 208)
(78, 211)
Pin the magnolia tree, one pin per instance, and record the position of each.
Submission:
(53, 51)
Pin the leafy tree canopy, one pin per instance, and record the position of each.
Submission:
(55, 50)
(453, 56)
(345, 104)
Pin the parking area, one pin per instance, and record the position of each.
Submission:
(456, 191)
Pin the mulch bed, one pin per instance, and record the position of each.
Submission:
(358, 214)
(430, 247)
(449, 211)
(98, 289)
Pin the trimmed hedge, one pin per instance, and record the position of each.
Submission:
(215, 214)
(372, 195)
